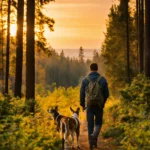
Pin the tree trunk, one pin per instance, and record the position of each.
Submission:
(128, 41)
(141, 34)
(7, 48)
(147, 34)
(1, 52)
(30, 58)
(19, 50)
(137, 32)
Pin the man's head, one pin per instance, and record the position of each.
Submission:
(94, 67)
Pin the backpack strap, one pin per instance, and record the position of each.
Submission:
(88, 78)
(99, 78)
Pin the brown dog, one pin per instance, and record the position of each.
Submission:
(67, 126)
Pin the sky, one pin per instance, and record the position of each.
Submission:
(77, 23)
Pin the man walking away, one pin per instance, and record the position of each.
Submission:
(93, 95)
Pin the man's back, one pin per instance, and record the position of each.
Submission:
(103, 83)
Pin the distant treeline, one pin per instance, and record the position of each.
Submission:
(58, 70)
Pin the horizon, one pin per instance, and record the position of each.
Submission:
(88, 53)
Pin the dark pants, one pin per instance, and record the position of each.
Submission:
(94, 120)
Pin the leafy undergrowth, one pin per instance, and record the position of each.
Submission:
(21, 130)
(128, 119)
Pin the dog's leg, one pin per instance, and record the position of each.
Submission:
(62, 134)
(63, 143)
(66, 141)
(77, 134)
(66, 135)
(72, 135)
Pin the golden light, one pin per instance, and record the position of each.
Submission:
(13, 29)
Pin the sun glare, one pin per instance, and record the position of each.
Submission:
(13, 29)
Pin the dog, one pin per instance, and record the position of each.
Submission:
(67, 126)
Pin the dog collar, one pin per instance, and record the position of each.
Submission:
(57, 118)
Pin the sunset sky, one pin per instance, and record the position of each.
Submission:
(78, 23)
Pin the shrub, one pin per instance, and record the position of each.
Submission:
(132, 126)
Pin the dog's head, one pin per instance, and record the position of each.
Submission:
(53, 112)
(75, 112)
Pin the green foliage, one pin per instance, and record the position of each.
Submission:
(137, 135)
(114, 132)
(5, 106)
(114, 48)
(41, 21)
(131, 127)
(21, 130)
(138, 94)
(60, 70)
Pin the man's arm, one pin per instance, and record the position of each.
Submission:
(105, 90)
(82, 94)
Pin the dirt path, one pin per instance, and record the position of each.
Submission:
(103, 144)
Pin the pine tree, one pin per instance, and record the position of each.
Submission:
(7, 48)
(141, 33)
(1, 49)
(147, 50)
(114, 48)
(81, 54)
(30, 52)
(19, 50)
(95, 56)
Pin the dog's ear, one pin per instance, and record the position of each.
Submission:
(56, 108)
(78, 109)
(71, 109)
(49, 110)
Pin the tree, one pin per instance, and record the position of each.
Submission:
(81, 54)
(1, 49)
(140, 32)
(147, 50)
(127, 39)
(95, 56)
(7, 48)
(114, 48)
(19, 50)
(124, 9)
(62, 55)
(40, 22)
(30, 53)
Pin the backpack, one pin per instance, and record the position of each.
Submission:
(94, 93)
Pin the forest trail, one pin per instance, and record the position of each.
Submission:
(103, 144)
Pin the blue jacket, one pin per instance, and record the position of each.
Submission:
(93, 76)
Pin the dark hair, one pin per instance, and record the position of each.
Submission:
(94, 67)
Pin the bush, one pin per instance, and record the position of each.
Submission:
(130, 125)
(21, 130)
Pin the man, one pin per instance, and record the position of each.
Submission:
(94, 113)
